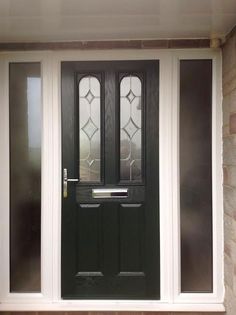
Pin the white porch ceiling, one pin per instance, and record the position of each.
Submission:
(68, 20)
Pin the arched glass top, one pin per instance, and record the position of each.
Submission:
(131, 128)
(89, 130)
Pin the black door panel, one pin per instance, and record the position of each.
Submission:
(110, 217)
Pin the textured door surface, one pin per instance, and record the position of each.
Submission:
(110, 217)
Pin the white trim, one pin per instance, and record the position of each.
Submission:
(47, 179)
(217, 180)
(4, 175)
(57, 180)
(46, 217)
(111, 305)
(171, 299)
(165, 175)
(175, 180)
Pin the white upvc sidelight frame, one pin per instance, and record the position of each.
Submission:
(46, 167)
(171, 297)
(217, 180)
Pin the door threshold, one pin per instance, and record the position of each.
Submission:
(113, 305)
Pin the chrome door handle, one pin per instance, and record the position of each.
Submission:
(65, 181)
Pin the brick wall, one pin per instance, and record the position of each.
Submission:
(229, 156)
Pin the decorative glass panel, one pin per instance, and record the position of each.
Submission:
(131, 129)
(25, 177)
(196, 175)
(90, 132)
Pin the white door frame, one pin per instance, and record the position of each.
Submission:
(171, 298)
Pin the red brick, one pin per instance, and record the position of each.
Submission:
(226, 176)
(227, 250)
(232, 123)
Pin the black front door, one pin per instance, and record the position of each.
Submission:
(110, 216)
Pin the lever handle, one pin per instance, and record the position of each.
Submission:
(65, 182)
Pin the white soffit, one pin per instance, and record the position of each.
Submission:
(68, 20)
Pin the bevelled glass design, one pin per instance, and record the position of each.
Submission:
(131, 128)
(25, 177)
(196, 175)
(89, 133)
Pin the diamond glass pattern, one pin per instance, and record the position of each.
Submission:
(90, 134)
(130, 96)
(89, 128)
(89, 97)
(130, 128)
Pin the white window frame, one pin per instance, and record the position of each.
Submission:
(171, 297)
(46, 201)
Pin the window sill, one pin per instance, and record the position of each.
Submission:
(105, 305)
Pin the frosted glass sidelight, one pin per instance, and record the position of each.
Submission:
(89, 130)
(25, 177)
(131, 129)
(196, 175)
